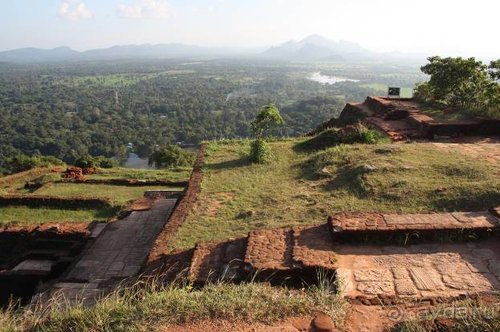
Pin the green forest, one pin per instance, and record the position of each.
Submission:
(109, 109)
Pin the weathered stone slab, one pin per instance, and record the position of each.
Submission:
(420, 219)
(373, 275)
(405, 287)
(426, 279)
(400, 273)
(477, 219)
(32, 265)
(313, 247)
(376, 287)
(270, 249)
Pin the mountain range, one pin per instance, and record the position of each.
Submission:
(312, 48)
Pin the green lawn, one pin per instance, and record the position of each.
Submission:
(177, 174)
(119, 195)
(306, 186)
(24, 216)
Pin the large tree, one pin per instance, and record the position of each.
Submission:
(467, 84)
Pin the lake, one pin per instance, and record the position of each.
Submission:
(324, 79)
(134, 161)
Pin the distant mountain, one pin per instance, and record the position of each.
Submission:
(36, 54)
(312, 48)
(118, 52)
(316, 47)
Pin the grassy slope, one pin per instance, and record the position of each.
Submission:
(151, 308)
(304, 187)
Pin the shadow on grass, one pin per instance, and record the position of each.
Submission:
(347, 178)
(324, 140)
(229, 164)
(468, 202)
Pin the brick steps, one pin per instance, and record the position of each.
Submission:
(217, 261)
(412, 228)
(270, 249)
(269, 254)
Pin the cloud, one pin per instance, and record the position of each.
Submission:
(158, 9)
(74, 10)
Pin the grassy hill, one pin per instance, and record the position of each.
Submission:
(304, 185)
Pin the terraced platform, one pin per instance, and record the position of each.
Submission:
(435, 269)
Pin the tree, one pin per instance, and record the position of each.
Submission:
(170, 156)
(450, 74)
(494, 70)
(466, 84)
(268, 118)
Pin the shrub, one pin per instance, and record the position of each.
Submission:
(23, 163)
(259, 151)
(85, 162)
(170, 156)
(104, 162)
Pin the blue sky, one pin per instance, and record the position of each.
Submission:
(426, 26)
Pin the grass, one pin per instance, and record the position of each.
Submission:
(24, 216)
(176, 174)
(305, 186)
(119, 195)
(152, 307)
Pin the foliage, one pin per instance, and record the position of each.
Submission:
(268, 118)
(22, 163)
(97, 109)
(85, 162)
(259, 151)
(494, 69)
(100, 161)
(146, 307)
(170, 156)
(466, 84)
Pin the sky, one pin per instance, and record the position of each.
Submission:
(441, 27)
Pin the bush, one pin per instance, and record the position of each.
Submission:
(104, 162)
(259, 151)
(171, 156)
(85, 162)
(23, 163)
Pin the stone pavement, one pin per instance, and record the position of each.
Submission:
(119, 252)
(489, 152)
(389, 274)
(352, 222)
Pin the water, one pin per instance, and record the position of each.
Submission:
(324, 79)
(134, 161)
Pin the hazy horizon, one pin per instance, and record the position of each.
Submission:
(424, 27)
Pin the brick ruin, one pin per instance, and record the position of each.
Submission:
(359, 251)
(402, 119)
(31, 256)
